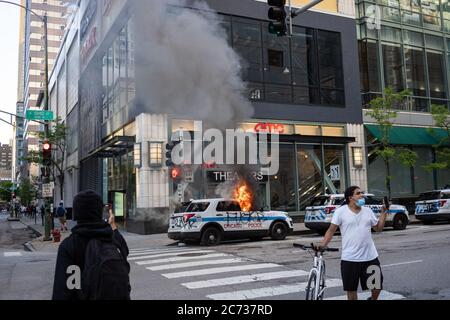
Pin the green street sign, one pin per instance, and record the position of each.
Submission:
(39, 115)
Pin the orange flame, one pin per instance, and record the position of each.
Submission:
(244, 196)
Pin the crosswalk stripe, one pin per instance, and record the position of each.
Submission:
(12, 254)
(269, 291)
(168, 254)
(175, 259)
(244, 279)
(208, 271)
(159, 249)
(195, 264)
(385, 295)
(134, 254)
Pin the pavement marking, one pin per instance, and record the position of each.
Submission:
(134, 254)
(385, 295)
(175, 259)
(12, 254)
(269, 291)
(244, 279)
(401, 263)
(196, 264)
(158, 249)
(168, 254)
(209, 271)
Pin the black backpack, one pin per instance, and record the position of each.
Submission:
(106, 272)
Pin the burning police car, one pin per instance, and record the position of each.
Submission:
(212, 220)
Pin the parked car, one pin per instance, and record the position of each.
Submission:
(320, 212)
(433, 206)
(212, 220)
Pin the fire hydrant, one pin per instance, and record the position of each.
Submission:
(56, 235)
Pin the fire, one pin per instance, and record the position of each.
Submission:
(244, 196)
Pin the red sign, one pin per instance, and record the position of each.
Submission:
(275, 128)
(89, 45)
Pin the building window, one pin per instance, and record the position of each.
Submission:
(155, 151)
(276, 58)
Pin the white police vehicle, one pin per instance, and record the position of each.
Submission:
(212, 220)
(433, 206)
(319, 213)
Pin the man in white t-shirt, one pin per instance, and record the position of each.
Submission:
(360, 262)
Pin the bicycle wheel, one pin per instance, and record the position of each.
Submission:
(311, 287)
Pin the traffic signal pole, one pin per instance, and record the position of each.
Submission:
(46, 177)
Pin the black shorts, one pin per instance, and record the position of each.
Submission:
(357, 272)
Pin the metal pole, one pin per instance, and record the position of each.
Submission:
(47, 201)
(305, 8)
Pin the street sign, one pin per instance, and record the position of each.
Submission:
(39, 115)
(47, 190)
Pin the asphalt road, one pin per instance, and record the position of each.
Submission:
(415, 266)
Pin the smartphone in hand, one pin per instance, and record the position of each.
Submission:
(106, 209)
(386, 202)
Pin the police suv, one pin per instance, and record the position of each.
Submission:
(319, 213)
(212, 220)
(433, 206)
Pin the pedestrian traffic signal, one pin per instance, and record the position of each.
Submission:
(278, 14)
(169, 149)
(46, 153)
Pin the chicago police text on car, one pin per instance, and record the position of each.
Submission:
(211, 220)
(433, 206)
(319, 213)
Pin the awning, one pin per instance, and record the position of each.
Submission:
(114, 147)
(410, 135)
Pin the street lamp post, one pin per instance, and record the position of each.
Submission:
(47, 201)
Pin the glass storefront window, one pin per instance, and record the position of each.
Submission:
(436, 69)
(443, 178)
(393, 67)
(334, 169)
(412, 38)
(420, 105)
(415, 71)
(370, 75)
(376, 173)
(401, 179)
(283, 185)
(309, 162)
(330, 59)
(434, 42)
(247, 43)
(411, 18)
(390, 14)
(423, 180)
(333, 131)
(303, 58)
(413, 5)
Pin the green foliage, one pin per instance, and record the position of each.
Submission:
(407, 158)
(5, 191)
(27, 191)
(382, 110)
(441, 118)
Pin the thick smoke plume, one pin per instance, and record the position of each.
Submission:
(185, 66)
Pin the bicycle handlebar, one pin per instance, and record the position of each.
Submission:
(312, 247)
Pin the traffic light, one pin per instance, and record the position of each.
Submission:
(13, 195)
(278, 14)
(176, 174)
(169, 149)
(46, 153)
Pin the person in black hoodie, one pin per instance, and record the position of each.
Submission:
(87, 211)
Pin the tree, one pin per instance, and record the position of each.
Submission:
(27, 191)
(6, 191)
(57, 137)
(382, 111)
(441, 118)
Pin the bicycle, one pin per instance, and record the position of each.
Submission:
(316, 281)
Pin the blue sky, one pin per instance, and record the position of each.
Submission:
(9, 48)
